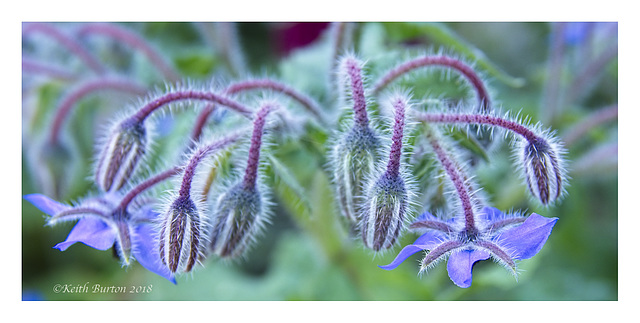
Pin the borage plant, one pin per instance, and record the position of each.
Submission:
(398, 159)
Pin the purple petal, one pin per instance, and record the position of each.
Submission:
(426, 241)
(145, 213)
(426, 216)
(92, 232)
(460, 264)
(145, 250)
(491, 213)
(45, 204)
(526, 240)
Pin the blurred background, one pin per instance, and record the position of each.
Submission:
(563, 75)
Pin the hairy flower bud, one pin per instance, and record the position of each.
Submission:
(239, 217)
(121, 152)
(354, 158)
(384, 212)
(181, 236)
(543, 169)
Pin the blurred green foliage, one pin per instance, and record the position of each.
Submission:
(307, 253)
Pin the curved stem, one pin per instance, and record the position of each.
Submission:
(68, 102)
(66, 41)
(257, 84)
(480, 119)
(269, 84)
(126, 200)
(201, 121)
(196, 158)
(171, 97)
(457, 179)
(483, 96)
(135, 41)
(36, 67)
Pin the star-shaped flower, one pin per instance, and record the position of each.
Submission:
(102, 224)
(505, 238)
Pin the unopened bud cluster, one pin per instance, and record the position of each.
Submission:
(370, 157)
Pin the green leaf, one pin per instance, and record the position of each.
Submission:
(196, 65)
(470, 143)
(288, 179)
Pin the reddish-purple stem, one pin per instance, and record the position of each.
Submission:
(251, 173)
(268, 84)
(480, 119)
(201, 121)
(128, 37)
(190, 169)
(255, 85)
(76, 95)
(36, 67)
(146, 185)
(465, 70)
(66, 41)
(458, 182)
(395, 154)
(171, 97)
(354, 72)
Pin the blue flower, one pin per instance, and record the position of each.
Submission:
(102, 224)
(505, 238)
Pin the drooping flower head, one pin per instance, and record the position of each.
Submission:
(123, 149)
(241, 211)
(541, 161)
(389, 192)
(473, 234)
(505, 238)
(356, 151)
(183, 233)
(103, 223)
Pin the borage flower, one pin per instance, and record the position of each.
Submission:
(106, 221)
(505, 238)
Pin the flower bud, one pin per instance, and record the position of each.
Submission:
(123, 149)
(543, 169)
(354, 158)
(180, 236)
(238, 219)
(384, 212)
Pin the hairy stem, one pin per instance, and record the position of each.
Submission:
(395, 154)
(251, 173)
(197, 157)
(126, 200)
(354, 73)
(457, 179)
(68, 102)
(439, 60)
(479, 119)
(171, 97)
